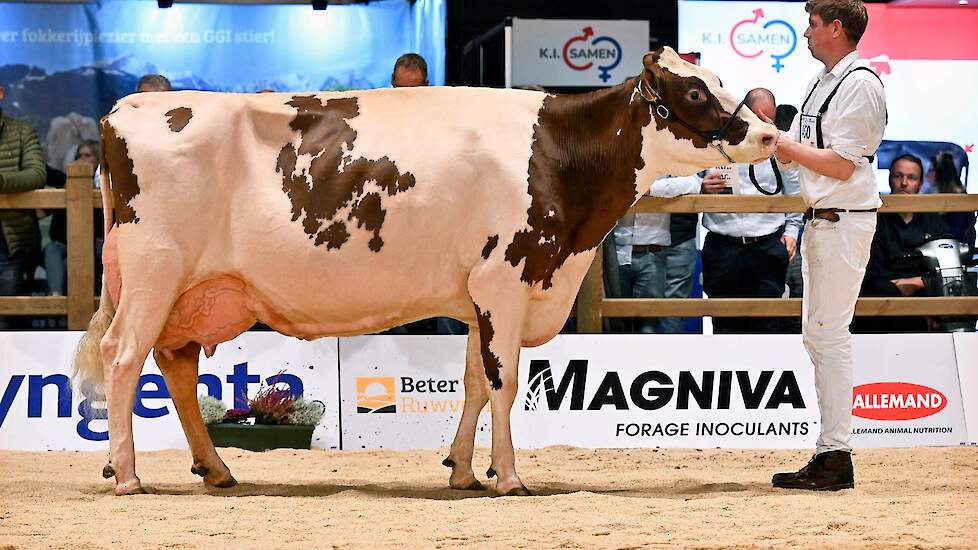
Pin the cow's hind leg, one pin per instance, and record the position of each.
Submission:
(476, 396)
(180, 374)
(143, 308)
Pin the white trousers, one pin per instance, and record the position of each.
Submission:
(834, 257)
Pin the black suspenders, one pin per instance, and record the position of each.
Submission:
(825, 106)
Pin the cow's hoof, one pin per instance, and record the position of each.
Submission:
(199, 470)
(468, 484)
(520, 491)
(108, 471)
(129, 488)
(221, 482)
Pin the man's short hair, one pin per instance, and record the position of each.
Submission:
(908, 157)
(412, 61)
(156, 82)
(851, 13)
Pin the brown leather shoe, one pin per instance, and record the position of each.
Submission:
(828, 471)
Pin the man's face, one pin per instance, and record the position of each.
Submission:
(819, 35)
(405, 77)
(150, 88)
(2, 92)
(85, 154)
(905, 177)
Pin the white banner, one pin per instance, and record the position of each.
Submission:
(906, 391)
(667, 391)
(966, 353)
(403, 392)
(576, 52)
(41, 410)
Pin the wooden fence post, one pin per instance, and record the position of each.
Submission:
(590, 296)
(81, 245)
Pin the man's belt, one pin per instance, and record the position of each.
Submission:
(746, 241)
(646, 248)
(831, 214)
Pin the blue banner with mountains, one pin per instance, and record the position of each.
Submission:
(73, 61)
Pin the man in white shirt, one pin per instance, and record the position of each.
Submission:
(640, 241)
(747, 255)
(838, 129)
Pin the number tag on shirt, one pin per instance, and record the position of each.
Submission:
(807, 130)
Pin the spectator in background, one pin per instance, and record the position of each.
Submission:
(56, 251)
(747, 255)
(410, 70)
(643, 241)
(21, 169)
(783, 118)
(961, 225)
(680, 263)
(153, 83)
(898, 234)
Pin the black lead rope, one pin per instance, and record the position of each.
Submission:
(777, 176)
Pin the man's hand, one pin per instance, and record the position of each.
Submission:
(909, 286)
(785, 148)
(791, 245)
(713, 183)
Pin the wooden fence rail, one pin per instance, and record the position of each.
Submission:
(80, 202)
(593, 307)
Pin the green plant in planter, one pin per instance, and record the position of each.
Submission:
(273, 419)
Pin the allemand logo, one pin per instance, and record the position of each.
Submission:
(376, 394)
(896, 401)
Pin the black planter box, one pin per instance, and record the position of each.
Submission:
(260, 437)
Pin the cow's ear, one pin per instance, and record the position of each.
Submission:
(652, 58)
(653, 72)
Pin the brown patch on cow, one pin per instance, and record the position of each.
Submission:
(490, 246)
(336, 182)
(489, 360)
(179, 118)
(125, 183)
(581, 176)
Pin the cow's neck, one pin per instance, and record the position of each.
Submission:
(585, 171)
(589, 149)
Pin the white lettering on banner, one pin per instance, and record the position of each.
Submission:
(898, 401)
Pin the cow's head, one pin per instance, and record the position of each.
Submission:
(707, 124)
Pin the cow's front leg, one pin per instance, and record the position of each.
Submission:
(500, 325)
(476, 396)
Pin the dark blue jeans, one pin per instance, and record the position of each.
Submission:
(12, 281)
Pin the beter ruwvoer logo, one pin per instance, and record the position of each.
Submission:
(376, 394)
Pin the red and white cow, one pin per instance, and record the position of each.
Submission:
(347, 213)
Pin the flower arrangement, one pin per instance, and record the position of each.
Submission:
(271, 405)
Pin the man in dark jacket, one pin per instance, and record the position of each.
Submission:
(21, 169)
(898, 234)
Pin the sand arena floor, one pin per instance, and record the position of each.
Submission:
(905, 498)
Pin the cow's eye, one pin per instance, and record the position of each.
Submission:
(694, 95)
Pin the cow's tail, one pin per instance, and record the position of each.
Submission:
(88, 368)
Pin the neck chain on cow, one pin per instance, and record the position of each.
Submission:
(713, 138)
